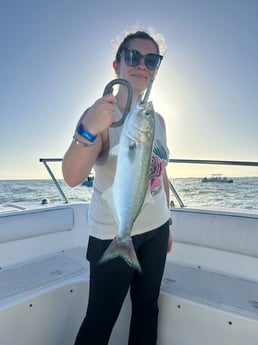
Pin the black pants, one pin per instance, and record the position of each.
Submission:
(109, 284)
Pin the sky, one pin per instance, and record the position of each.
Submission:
(56, 59)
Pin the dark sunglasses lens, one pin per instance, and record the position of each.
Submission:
(133, 58)
(152, 61)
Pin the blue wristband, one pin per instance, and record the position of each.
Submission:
(85, 134)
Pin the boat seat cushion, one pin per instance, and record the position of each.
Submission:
(229, 231)
(35, 223)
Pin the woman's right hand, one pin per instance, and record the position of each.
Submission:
(78, 160)
(100, 115)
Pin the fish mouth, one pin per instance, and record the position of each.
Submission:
(148, 106)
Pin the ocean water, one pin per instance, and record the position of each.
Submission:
(241, 194)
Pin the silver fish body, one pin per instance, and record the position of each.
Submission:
(130, 184)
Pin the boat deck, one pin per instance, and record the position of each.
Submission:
(36, 275)
(232, 294)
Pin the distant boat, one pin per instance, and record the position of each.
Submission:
(89, 181)
(217, 178)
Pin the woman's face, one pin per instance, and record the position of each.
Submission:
(139, 76)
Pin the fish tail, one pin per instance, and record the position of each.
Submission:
(124, 249)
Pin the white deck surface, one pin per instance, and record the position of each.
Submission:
(217, 290)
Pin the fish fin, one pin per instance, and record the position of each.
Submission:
(132, 145)
(123, 249)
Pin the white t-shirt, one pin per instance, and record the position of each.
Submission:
(153, 214)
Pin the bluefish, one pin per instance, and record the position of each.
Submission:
(127, 194)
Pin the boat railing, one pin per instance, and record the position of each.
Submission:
(172, 160)
(57, 184)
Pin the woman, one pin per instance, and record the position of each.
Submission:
(137, 59)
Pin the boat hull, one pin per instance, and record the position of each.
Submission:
(209, 291)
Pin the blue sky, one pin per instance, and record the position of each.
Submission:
(56, 58)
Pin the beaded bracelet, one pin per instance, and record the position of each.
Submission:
(81, 143)
(83, 132)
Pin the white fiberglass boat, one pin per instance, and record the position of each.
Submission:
(209, 291)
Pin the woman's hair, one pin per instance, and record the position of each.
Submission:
(126, 41)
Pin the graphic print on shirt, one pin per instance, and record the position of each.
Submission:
(159, 160)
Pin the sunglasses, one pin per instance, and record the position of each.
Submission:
(133, 58)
